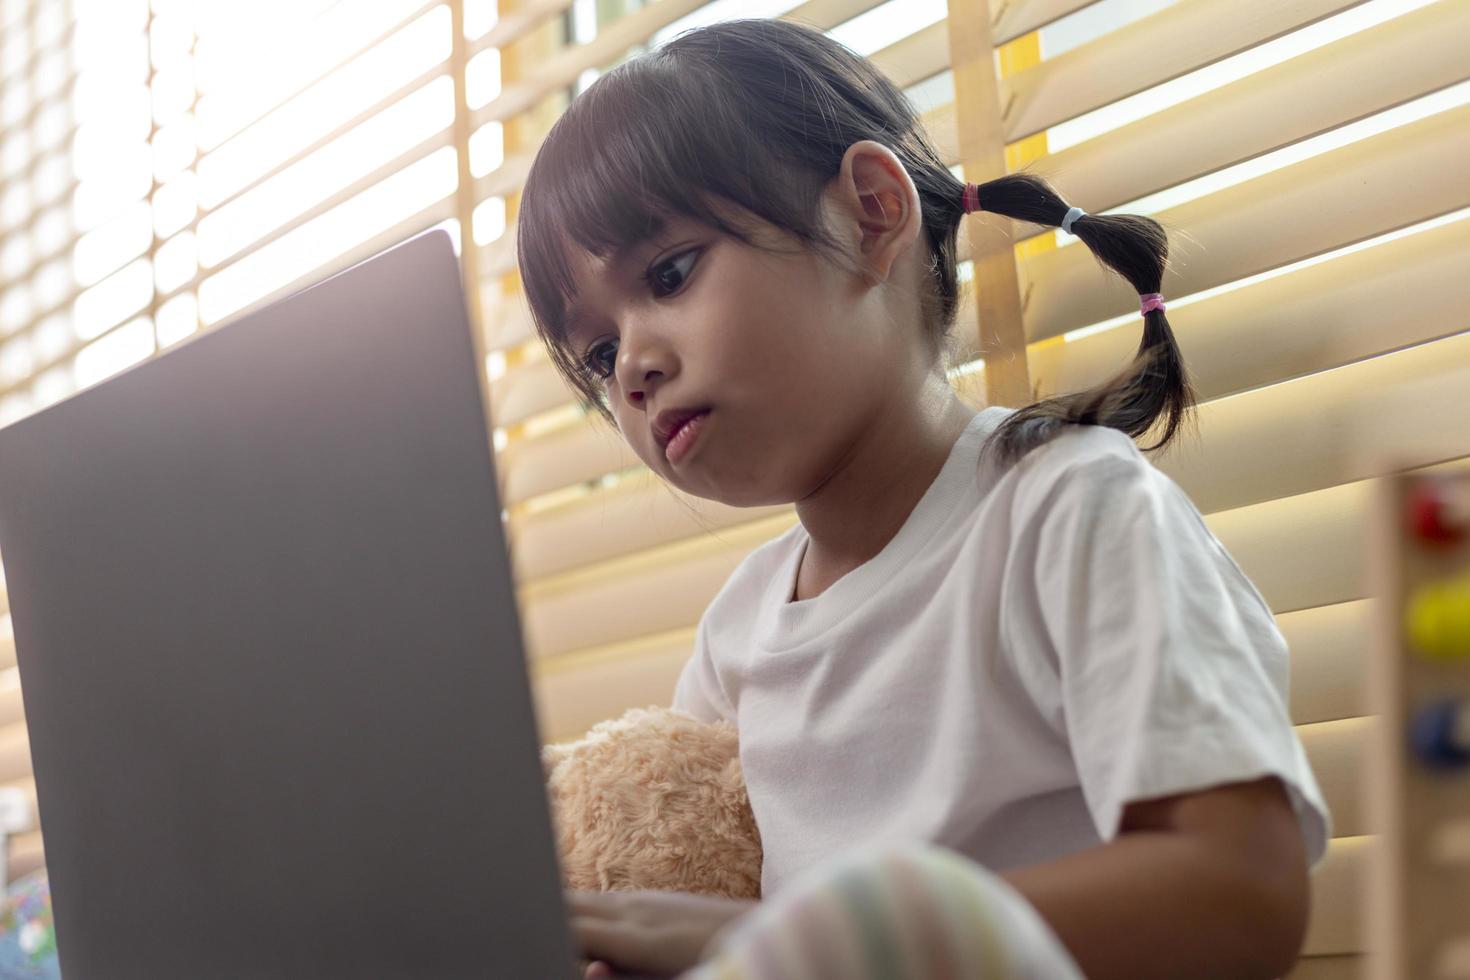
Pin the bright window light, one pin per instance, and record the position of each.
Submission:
(52, 230)
(52, 123)
(328, 236)
(177, 319)
(249, 60)
(170, 38)
(173, 148)
(1093, 21)
(322, 108)
(1428, 105)
(495, 366)
(176, 262)
(489, 220)
(15, 308)
(356, 153)
(15, 256)
(584, 21)
(888, 23)
(109, 103)
(173, 93)
(53, 178)
(487, 148)
(482, 78)
(53, 282)
(114, 299)
(16, 361)
(175, 204)
(932, 92)
(1211, 77)
(1204, 294)
(1376, 124)
(53, 386)
(104, 250)
(15, 204)
(122, 348)
(15, 151)
(124, 116)
(110, 29)
(720, 10)
(53, 337)
(102, 194)
(479, 17)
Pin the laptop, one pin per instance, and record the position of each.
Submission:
(270, 656)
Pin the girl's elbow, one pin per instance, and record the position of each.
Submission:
(1285, 913)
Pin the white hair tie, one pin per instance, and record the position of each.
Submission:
(1072, 215)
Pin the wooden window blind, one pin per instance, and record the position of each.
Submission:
(1307, 154)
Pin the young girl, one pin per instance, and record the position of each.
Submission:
(1001, 663)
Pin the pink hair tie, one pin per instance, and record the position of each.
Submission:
(970, 200)
(1150, 301)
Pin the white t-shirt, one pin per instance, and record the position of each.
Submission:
(1027, 655)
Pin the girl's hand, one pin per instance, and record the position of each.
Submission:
(657, 933)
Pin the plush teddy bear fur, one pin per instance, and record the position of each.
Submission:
(654, 799)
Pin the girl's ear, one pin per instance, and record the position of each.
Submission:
(877, 207)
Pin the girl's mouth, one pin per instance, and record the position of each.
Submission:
(684, 437)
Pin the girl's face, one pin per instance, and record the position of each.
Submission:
(794, 359)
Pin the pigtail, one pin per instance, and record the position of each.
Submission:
(1156, 384)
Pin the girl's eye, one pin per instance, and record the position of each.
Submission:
(664, 279)
(600, 359)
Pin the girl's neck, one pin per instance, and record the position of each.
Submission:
(854, 514)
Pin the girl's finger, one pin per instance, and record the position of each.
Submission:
(601, 938)
(592, 905)
(597, 970)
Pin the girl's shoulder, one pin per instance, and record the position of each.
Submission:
(1089, 447)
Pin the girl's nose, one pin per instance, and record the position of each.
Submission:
(643, 356)
(638, 393)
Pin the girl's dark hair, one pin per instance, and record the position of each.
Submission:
(759, 114)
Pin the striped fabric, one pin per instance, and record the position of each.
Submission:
(896, 911)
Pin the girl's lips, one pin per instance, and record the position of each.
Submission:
(684, 437)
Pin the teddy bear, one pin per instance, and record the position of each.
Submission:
(654, 799)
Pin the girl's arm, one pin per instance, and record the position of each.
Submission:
(1209, 884)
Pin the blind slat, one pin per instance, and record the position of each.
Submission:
(382, 105)
(1329, 653)
(1291, 197)
(1017, 18)
(1350, 79)
(1367, 188)
(585, 450)
(528, 389)
(575, 691)
(1311, 319)
(1271, 448)
(916, 57)
(323, 71)
(1302, 323)
(515, 24)
(907, 61)
(1163, 46)
(640, 514)
(560, 71)
(1335, 926)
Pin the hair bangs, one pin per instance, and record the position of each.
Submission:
(645, 143)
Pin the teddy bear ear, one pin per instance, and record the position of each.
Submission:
(551, 755)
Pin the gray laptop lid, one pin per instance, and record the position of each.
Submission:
(270, 655)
